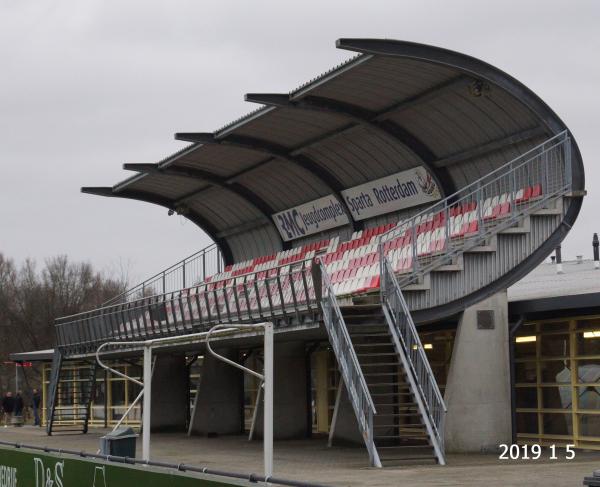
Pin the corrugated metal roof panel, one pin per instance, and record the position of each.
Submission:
(221, 160)
(291, 127)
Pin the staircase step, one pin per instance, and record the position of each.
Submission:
(382, 354)
(378, 345)
(382, 394)
(368, 335)
(380, 364)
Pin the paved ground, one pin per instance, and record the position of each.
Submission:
(312, 461)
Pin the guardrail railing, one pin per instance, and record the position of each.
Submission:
(287, 291)
(190, 271)
(466, 218)
(350, 369)
(409, 347)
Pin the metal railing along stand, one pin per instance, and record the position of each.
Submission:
(190, 271)
(285, 292)
(350, 369)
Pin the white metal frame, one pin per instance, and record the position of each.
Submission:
(146, 392)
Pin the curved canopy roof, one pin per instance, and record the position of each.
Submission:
(394, 106)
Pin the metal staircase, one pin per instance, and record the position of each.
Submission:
(400, 429)
(350, 369)
(385, 383)
(71, 391)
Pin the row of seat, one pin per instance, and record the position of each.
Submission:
(353, 264)
(266, 262)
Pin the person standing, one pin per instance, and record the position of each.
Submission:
(8, 406)
(36, 399)
(19, 404)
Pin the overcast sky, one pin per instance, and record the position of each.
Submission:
(88, 85)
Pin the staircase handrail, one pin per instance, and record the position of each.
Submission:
(350, 369)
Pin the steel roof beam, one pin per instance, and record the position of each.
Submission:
(490, 147)
(364, 117)
(212, 179)
(273, 150)
(171, 205)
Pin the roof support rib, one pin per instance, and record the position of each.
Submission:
(363, 117)
(212, 179)
(490, 147)
(273, 150)
(204, 224)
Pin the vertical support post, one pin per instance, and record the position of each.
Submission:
(268, 400)
(336, 410)
(480, 208)
(568, 168)
(446, 226)
(147, 402)
(415, 261)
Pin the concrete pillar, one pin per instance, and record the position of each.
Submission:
(170, 390)
(219, 401)
(478, 385)
(290, 400)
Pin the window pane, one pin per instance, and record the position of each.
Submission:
(589, 397)
(526, 397)
(554, 345)
(556, 371)
(527, 423)
(557, 397)
(588, 343)
(117, 391)
(525, 372)
(593, 324)
(589, 425)
(588, 371)
(524, 348)
(558, 423)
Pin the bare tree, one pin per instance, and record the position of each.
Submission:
(30, 300)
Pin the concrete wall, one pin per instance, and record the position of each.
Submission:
(290, 399)
(169, 393)
(478, 384)
(219, 401)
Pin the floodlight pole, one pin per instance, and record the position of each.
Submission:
(146, 416)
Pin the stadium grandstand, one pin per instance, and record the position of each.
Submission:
(377, 216)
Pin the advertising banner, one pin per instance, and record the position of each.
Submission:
(29, 468)
(392, 193)
(310, 218)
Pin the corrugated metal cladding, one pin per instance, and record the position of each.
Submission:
(391, 108)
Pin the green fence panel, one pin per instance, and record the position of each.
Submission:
(29, 468)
